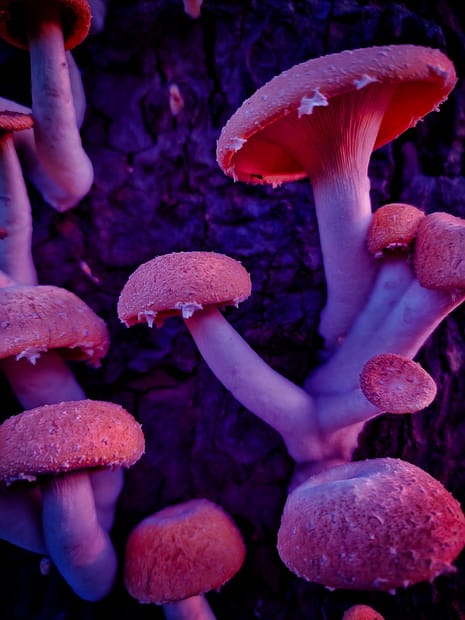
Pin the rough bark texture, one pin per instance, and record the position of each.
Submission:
(158, 189)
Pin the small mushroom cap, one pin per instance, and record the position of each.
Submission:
(66, 436)
(15, 121)
(439, 252)
(377, 524)
(361, 612)
(182, 551)
(397, 384)
(76, 18)
(421, 79)
(181, 283)
(393, 226)
(34, 319)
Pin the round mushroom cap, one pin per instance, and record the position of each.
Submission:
(249, 148)
(66, 436)
(181, 283)
(34, 319)
(76, 18)
(15, 121)
(182, 551)
(378, 524)
(393, 227)
(397, 384)
(439, 252)
(361, 612)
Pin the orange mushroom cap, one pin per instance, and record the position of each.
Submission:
(377, 524)
(249, 149)
(397, 384)
(393, 226)
(67, 436)
(182, 551)
(361, 612)
(76, 19)
(181, 283)
(34, 319)
(11, 120)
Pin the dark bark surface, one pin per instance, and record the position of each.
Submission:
(158, 189)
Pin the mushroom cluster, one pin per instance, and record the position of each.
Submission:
(392, 276)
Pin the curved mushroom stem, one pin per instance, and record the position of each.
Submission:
(99, 9)
(77, 543)
(107, 484)
(192, 608)
(15, 215)
(56, 131)
(20, 518)
(411, 321)
(60, 197)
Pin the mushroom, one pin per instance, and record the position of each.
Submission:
(314, 427)
(176, 555)
(415, 314)
(15, 209)
(36, 324)
(322, 119)
(361, 612)
(378, 524)
(57, 445)
(192, 8)
(48, 29)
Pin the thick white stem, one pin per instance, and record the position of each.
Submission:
(107, 484)
(277, 401)
(15, 216)
(56, 131)
(75, 540)
(411, 321)
(192, 608)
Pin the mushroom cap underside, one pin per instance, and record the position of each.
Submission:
(182, 551)
(34, 319)
(377, 524)
(421, 79)
(76, 19)
(181, 283)
(67, 436)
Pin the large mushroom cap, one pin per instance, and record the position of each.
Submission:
(34, 319)
(377, 524)
(439, 252)
(67, 436)
(76, 19)
(182, 551)
(180, 283)
(397, 384)
(248, 148)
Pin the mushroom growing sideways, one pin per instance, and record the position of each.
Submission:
(194, 285)
(378, 524)
(176, 555)
(322, 119)
(48, 29)
(58, 445)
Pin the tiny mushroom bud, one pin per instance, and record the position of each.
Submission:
(361, 612)
(48, 29)
(378, 524)
(176, 555)
(322, 119)
(59, 445)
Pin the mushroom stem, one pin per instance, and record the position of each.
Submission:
(77, 543)
(192, 608)
(404, 330)
(15, 215)
(20, 520)
(107, 484)
(56, 129)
